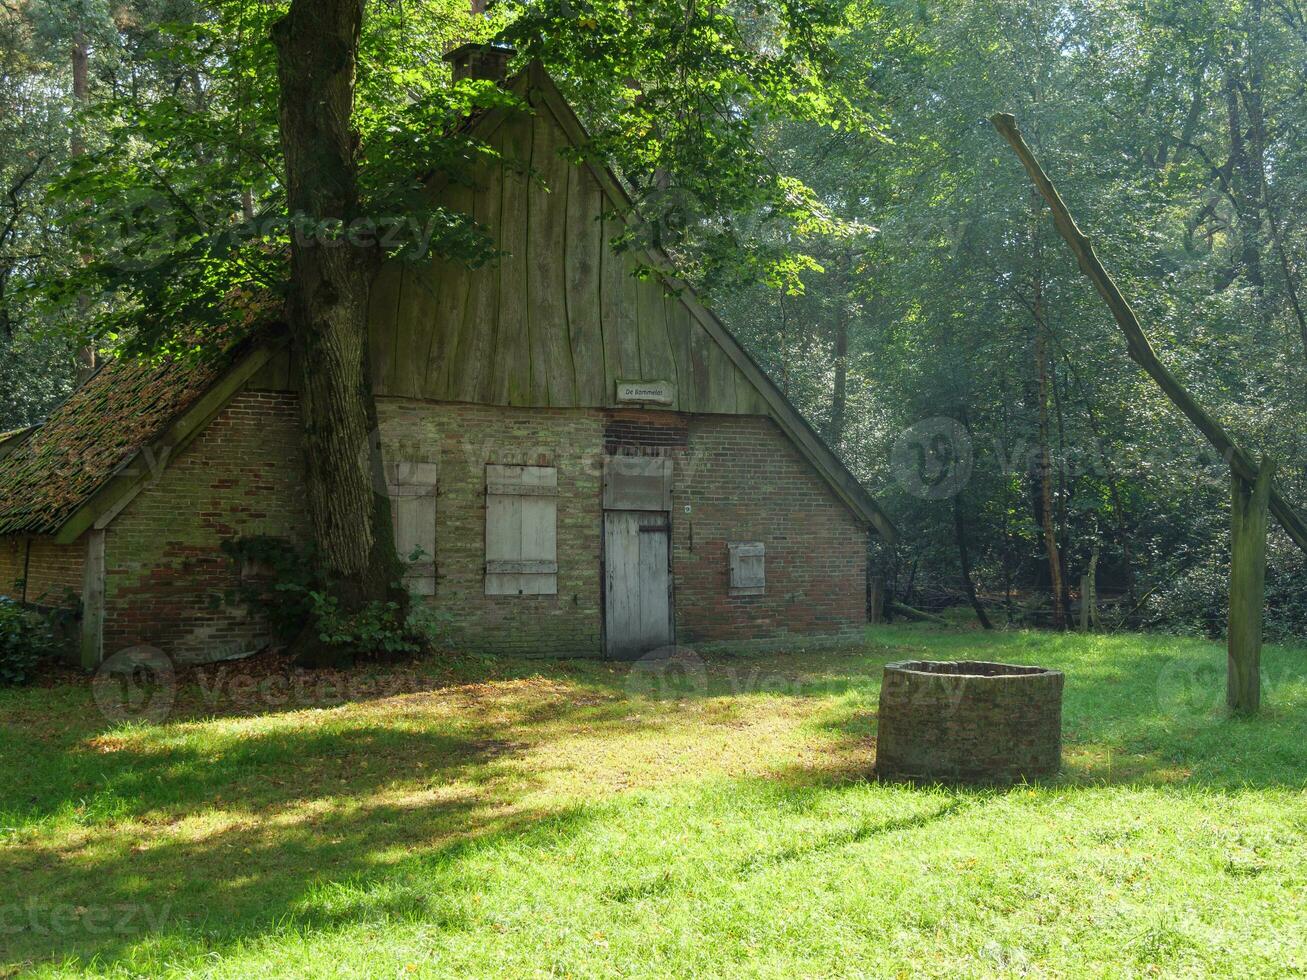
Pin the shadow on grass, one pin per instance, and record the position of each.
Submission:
(269, 819)
(228, 839)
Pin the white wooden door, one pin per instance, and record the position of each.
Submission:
(637, 583)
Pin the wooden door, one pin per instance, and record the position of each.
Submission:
(637, 583)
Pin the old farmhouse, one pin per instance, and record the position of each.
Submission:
(581, 462)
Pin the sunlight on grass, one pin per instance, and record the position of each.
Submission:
(536, 818)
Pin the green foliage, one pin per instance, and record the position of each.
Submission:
(286, 585)
(26, 641)
(681, 99)
(429, 624)
(177, 207)
(375, 629)
(277, 578)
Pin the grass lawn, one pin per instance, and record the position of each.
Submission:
(517, 818)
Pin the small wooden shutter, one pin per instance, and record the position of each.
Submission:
(412, 490)
(748, 567)
(521, 530)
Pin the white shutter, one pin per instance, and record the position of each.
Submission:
(748, 567)
(412, 490)
(521, 530)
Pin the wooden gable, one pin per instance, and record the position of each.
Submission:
(561, 319)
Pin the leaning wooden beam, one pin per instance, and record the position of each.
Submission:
(1141, 351)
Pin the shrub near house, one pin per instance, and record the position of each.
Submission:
(26, 641)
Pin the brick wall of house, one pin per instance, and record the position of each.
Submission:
(463, 439)
(53, 571)
(745, 481)
(740, 476)
(167, 583)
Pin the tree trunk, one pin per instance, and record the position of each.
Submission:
(839, 397)
(875, 599)
(1245, 192)
(81, 86)
(1248, 522)
(1047, 512)
(964, 561)
(1092, 577)
(317, 48)
(87, 360)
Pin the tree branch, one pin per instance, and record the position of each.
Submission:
(1140, 349)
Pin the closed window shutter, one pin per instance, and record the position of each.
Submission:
(521, 530)
(412, 490)
(748, 567)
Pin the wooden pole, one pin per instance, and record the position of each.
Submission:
(92, 638)
(1247, 588)
(1141, 351)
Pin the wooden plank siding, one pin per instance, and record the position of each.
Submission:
(560, 317)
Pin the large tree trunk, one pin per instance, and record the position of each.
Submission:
(317, 48)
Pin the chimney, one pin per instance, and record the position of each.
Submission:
(477, 60)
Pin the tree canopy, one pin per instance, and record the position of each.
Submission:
(825, 175)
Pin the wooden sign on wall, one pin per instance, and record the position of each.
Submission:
(646, 392)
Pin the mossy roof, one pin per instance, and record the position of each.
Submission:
(98, 432)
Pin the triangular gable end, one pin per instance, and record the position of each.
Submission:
(561, 319)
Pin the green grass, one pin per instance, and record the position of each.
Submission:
(515, 818)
